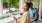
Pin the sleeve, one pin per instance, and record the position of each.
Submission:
(25, 17)
(36, 11)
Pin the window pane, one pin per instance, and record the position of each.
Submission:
(10, 6)
(25, 0)
(35, 3)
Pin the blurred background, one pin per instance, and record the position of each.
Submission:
(10, 4)
(11, 7)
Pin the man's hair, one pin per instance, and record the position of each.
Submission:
(29, 4)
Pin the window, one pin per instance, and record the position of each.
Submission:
(10, 6)
(25, 0)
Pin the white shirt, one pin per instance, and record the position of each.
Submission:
(4, 11)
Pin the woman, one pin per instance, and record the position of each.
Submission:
(25, 18)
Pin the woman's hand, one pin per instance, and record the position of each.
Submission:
(15, 18)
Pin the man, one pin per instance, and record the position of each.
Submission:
(33, 13)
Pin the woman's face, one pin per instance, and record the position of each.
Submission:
(25, 7)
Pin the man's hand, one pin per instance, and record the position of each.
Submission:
(32, 21)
